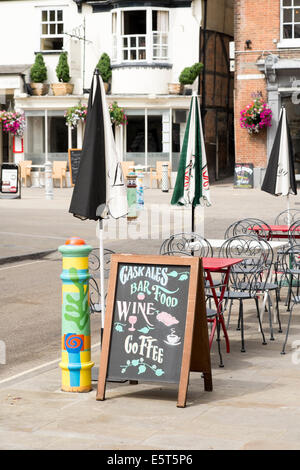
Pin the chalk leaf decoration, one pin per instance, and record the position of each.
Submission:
(145, 330)
(142, 367)
(119, 327)
(182, 276)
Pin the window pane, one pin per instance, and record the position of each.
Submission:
(133, 42)
(154, 133)
(297, 15)
(125, 42)
(142, 55)
(57, 135)
(287, 3)
(52, 15)
(59, 15)
(287, 31)
(142, 42)
(60, 28)
(135, 134)
(132, 55)
(297, 31)
(44, 29)
(125, 55)
(44, 15)
(134, 22)
(52, 29)
(287, 15)
(296, 3)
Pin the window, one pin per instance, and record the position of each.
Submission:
(52, 30)
(290, 19)
(140, 35)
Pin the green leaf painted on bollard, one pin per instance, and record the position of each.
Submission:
(78, 305)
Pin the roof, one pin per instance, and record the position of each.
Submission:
(14, 69)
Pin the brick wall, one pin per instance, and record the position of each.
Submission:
(258, 21)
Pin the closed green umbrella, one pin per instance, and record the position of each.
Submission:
(192, 182)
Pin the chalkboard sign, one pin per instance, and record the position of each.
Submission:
(155, 324)
(243, 175)
(74, 162)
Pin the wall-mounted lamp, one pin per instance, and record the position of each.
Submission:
(248, 44)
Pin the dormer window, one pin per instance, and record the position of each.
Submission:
(52, 29)
(140, 35)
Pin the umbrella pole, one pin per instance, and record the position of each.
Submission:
(102, 289)
(193, 218)
(288, 209)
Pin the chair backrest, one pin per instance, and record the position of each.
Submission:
(294, 233)
(290, 262)
(58, 167)
(126, 167)
(288, 217)
(188, 244)
(25, 167)
(253, 271)
(159, 166)
(249, 226)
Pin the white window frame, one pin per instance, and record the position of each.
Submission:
(290, 42)
(146, 50)
(48, 22)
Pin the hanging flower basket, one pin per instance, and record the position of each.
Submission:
(75, 114)
(256, 116)
(117, 115)
(13, 122)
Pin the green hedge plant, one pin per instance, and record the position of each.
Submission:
(62, 69)
(189, 74)
(104, 67)
(38, 72)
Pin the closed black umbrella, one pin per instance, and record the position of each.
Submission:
(99, 191)
(280, 173)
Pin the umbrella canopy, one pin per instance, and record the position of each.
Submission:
(99, 191)
(280, 174)
(192, 182)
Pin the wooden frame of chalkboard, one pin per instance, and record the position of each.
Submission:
(70, 152)
(190, 308)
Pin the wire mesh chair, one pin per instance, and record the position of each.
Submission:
(249, 226)
(94, 282)
(183, 248)
(190, 243)
(249, 277)
(287, 217)
(291, 268)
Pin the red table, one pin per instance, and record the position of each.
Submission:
(223, 266)
(276, 231)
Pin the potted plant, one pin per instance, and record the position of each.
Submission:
(38, 75)
(117, 115)
(256, 116)
(76, 114)
(63, 75)
(104, 68)
(189, 75)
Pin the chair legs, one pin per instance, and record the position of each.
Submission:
(287, 330)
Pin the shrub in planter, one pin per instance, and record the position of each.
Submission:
(104, 67)
(63, 75)
(38, 74)
(189, 74)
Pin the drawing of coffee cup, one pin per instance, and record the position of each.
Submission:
(173, 338)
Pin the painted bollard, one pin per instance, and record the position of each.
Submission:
(76, 362)
(131, 196)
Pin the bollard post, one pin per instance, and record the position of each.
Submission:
(165, 178)
(48, 180)
(140, 190)
(131, 196)
(76, 336)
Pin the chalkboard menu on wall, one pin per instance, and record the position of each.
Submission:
(149, 322)
(243, 175)
(74, 162)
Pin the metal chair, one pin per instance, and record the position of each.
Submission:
(287, 217)
(189, 243)
(246, 279)
(291, 268)
(94, 269)
(249, 226)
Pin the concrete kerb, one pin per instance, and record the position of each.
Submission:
(37, 255)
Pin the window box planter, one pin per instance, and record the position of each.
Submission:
(175, 88)
(62, 88)
(39, 89)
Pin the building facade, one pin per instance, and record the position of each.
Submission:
(267, 65)
(149, 43)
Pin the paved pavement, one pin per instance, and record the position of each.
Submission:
(254, 404)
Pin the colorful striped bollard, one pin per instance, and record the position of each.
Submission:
(76, 362)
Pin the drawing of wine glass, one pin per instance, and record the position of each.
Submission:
(132, 320)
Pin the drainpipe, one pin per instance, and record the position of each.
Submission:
(202, 58)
